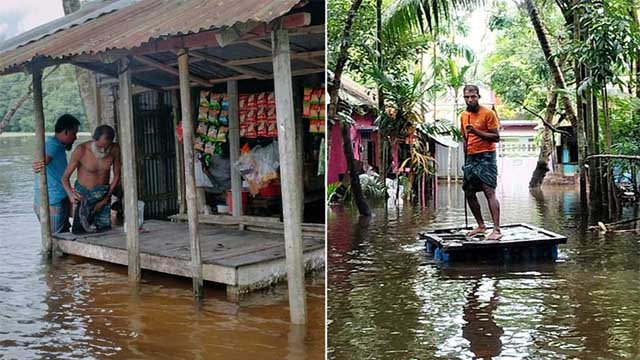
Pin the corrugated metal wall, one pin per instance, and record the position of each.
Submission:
(442, 153)
(155, 151)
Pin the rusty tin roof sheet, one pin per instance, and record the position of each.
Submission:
(126, 24)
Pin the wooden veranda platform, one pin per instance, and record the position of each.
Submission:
(243, 260)
(520, 242)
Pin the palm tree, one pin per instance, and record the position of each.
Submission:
(561, 87)
(406, 16)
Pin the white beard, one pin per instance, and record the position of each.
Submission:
(98, 152)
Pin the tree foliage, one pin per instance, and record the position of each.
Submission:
(60, 96)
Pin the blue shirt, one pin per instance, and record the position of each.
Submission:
(54, 149)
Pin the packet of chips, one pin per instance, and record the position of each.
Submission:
(202, 129)
(198, 145)
(209, 148)
(222, 134)
(212, 133)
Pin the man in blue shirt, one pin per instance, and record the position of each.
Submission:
(55, 162)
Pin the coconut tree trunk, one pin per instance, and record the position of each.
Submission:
(356, 189)
(85, 78)
(560, 84)
(546, 149)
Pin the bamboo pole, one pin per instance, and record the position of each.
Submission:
(289, 174)
(190, 180)
(182, 204)
(234, 147)
(45, 222)
(129, 180)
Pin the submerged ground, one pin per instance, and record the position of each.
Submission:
(389, 300)
(80, 309)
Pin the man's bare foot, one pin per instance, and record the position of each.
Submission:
(495, 235)
(477, 231)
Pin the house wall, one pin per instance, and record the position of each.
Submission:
(337, 161)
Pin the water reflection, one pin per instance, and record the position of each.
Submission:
(480, 327)
(389, 300)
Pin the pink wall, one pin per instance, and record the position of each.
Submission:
(337, 162)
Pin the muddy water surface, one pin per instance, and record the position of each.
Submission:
(389, 300)
(79, 309)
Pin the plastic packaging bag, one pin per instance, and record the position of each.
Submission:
(259, 166)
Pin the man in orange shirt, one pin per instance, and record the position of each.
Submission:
(479, 126)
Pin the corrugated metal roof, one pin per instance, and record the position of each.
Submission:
(126, 24)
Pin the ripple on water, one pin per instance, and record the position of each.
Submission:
(389, 300)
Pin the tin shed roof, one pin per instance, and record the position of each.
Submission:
(127, 24)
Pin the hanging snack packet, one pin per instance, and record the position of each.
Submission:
(209, 148)
(213, 115)
(222, 134)
(261, 128)
(224, 102)
(251, 131)
(204, 99)
(308, 93)
(261, 100)
(271, 99)
(272, 128)
(306, 109)
(252, 102)
(202, 129)
(198, 145)
(243, 102)
(212, 133)
(223, 119)
(243, 130)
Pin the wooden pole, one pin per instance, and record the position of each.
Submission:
(234, 147)
(189, 175)
(45, 222)
(129, 180)
(289, 174)
(297, 108)
(182, 203)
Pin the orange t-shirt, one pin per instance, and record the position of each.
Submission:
(485, 119)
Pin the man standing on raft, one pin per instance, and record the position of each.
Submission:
(479, 126)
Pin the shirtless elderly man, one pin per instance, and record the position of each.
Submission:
(94, 186)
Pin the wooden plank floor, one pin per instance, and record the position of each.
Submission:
(243, 259)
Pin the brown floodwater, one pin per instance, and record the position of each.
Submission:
(389, 300)
(74, 308)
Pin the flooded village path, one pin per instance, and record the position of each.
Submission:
(81, 309)
(389, 300)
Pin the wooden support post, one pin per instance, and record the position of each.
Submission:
(190, 180)
(129, 180)
(182, 202)
(297, 106)
(45, 222)
(289, 175)
(234, 147)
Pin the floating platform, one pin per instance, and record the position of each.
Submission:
(519, 242)
(242, 260)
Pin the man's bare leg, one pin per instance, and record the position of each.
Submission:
(474, 205)
(494, 208)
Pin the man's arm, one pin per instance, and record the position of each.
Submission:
(115, 152)
(492, 135)
(39, 165)
(74, 162)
